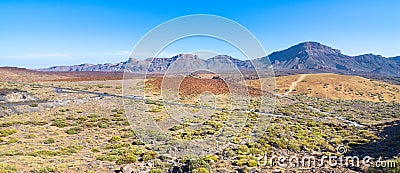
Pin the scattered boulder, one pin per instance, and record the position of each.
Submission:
(14, 95)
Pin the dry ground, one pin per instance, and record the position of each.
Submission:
(334, 86)
(90, 132)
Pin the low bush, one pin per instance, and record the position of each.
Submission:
(44, 153)
(126, 158)
(71, 149)
(7, 168)
(150, 155)
(74, 130)
(12, 140)
(95, 150)
(114, 139)
(106, 157)
(94, 116)
(252, 163)
(7, 132)
(49, 141)
(156, 170)
(60, 123)
(33, 105)
(46, 170)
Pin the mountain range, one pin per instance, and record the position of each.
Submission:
(311, 56)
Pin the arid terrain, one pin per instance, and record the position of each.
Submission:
(77, 122)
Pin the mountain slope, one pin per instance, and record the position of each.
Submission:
(313, 55)
(305, 56)
(396, 59)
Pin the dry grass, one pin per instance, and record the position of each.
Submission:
(101, 119)
(336, 86)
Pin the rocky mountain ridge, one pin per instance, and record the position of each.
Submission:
(303, 56)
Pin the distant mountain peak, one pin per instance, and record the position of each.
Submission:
(185, 56)
(312, 47)
(223, 57)
(132, 59)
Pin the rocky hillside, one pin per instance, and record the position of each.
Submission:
(304, 56)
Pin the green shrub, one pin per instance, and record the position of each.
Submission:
(33, 105)
(43, 153)
(30, 136)
(178, 127)
(156, 170)
(150, 155)
(312, 124)
(241, 162)
(211, 158)
(82, 119)
(116, 115)
(128, 135)
(46, 169)
(126, 158)
(116, 145)
(49, 141)
(60, 123)
(64, 110)
(118, 119)
(121, 111)
(36, 123)
(74, 130)
(94, 116)
(7, 168)
(252, 163)
(201, 170)
(103, 124)
(71, 149)
(243, 149)
(12, 140)
(7, 132)
(89, 125)
(95, 150)
(10, 123)
(155, 110)
(106, 157)
(255, 151)
(114, 139)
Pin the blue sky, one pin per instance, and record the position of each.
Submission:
(36, 34)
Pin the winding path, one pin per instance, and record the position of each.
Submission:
(294, 84)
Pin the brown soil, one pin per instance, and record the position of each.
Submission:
(191, 85)
(14, 74)
(336, 86)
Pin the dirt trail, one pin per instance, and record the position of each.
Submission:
(294, 84)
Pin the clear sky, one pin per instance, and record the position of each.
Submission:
(44, 33)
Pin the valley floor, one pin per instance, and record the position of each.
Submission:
(83, 126)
